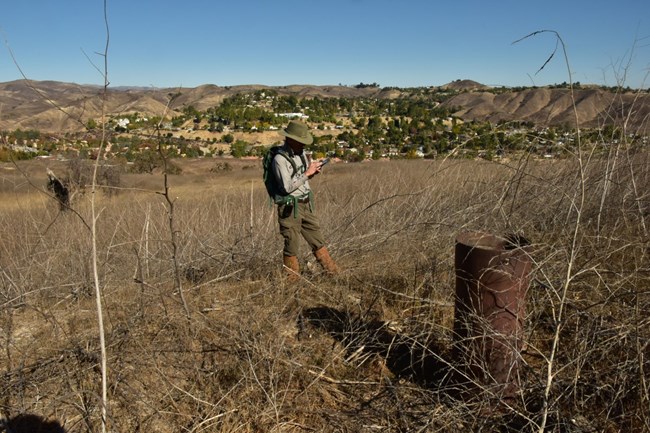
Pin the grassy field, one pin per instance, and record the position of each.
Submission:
(230, 346)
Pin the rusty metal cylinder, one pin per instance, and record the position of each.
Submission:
(492, 276)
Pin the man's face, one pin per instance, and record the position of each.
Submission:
(296, 146)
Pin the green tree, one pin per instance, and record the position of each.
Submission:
(146, 162)
(238, 148)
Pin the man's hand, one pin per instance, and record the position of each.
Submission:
(313, 169)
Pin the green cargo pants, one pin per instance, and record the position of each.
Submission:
(303, 223)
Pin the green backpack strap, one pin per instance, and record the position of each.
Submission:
(286, 199)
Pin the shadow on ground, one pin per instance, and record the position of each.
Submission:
(421, 362)
(406, 357)
(29, 423)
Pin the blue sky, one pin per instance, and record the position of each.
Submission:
(406, 43)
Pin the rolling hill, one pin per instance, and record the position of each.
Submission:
(58, 107)
(544, 106)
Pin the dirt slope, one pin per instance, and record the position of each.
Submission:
(544, 106)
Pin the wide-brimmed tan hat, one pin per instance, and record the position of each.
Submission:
(298, 131)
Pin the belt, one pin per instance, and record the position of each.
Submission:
(303, 199)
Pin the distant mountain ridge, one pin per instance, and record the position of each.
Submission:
(58, 107)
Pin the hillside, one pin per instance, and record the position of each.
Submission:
(371, 350)
(65, 107)
(544, 106)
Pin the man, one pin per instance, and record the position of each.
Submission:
(295, 211)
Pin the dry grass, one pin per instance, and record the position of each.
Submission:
(357, 353)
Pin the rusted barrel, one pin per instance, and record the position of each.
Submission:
(492, 276)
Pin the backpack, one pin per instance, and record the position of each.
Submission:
(275, 192)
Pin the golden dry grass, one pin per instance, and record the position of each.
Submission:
(245, 361)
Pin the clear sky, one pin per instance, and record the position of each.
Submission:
(406, 43)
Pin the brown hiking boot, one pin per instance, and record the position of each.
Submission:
(323, 257)
(292, 268)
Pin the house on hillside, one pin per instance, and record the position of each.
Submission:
(294, 116)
